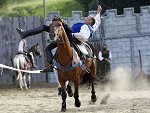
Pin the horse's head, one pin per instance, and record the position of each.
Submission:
(55, 27)
(36, 50)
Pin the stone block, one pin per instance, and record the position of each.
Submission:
(114, 55)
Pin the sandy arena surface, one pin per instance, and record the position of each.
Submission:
(123, 95)
(44, 99)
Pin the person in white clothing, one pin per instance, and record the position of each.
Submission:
(23, 49)
(105, 56)
(82, 31)
(78, 33)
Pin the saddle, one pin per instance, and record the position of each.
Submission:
(26, 56)
(86, 50)
(83, 49)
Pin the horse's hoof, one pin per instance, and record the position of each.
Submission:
(63, 110)
(59, 91)
(77, 103)
(93, 98)
(29, 87)
(70, 94)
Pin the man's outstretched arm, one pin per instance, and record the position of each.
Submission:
(97, 18)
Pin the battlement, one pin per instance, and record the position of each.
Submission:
(127, 12)
(128, 23)
(111, 13)
(145, 9)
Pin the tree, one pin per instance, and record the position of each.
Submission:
(3, 2)
(113, 4)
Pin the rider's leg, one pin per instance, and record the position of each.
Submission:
(48, 50)
(34, 31)
(48, 53)
(32, 60)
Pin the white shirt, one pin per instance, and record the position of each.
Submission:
(101, 58)
(84, 33)
(21, 45)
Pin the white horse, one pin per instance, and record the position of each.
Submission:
(23, 62)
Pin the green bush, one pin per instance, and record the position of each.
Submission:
(3, 3)
(23, 11)
(35, 7)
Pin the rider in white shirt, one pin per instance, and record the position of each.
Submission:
(80, 31)
(23, 49)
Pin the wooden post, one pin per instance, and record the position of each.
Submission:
(44, 5)
(140, 59)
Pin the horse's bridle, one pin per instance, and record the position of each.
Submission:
(56, 32)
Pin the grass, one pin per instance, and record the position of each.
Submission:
(35, 7)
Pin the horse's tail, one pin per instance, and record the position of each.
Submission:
(18, 67)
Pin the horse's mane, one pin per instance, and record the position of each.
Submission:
(57, 18)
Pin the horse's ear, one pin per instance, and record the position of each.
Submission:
(37, 44)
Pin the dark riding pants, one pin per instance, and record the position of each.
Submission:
(52, 45)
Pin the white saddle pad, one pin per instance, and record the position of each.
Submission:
(82, 49)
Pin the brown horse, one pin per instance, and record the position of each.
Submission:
(68, 66)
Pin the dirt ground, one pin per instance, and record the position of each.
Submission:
(44, 99)
(122, 95)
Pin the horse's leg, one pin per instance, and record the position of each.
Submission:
(14, 78)
(59, 89)
(68, 86)
(21, 84)
(59, 86)
(93, 97)
(64, 95)
(24, 81)
(76, 94)
(20, 80)
(93, 73)
(69, 90)
(29, 79)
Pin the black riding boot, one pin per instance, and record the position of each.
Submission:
(31, 60)
(34, 31)
(50, 57)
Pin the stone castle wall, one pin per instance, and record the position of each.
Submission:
(125, 34)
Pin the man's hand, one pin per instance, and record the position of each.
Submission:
(99, 9)
(107, 59)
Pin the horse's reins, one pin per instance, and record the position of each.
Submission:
(58, 30)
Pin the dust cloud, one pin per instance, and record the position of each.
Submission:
(123, 80)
